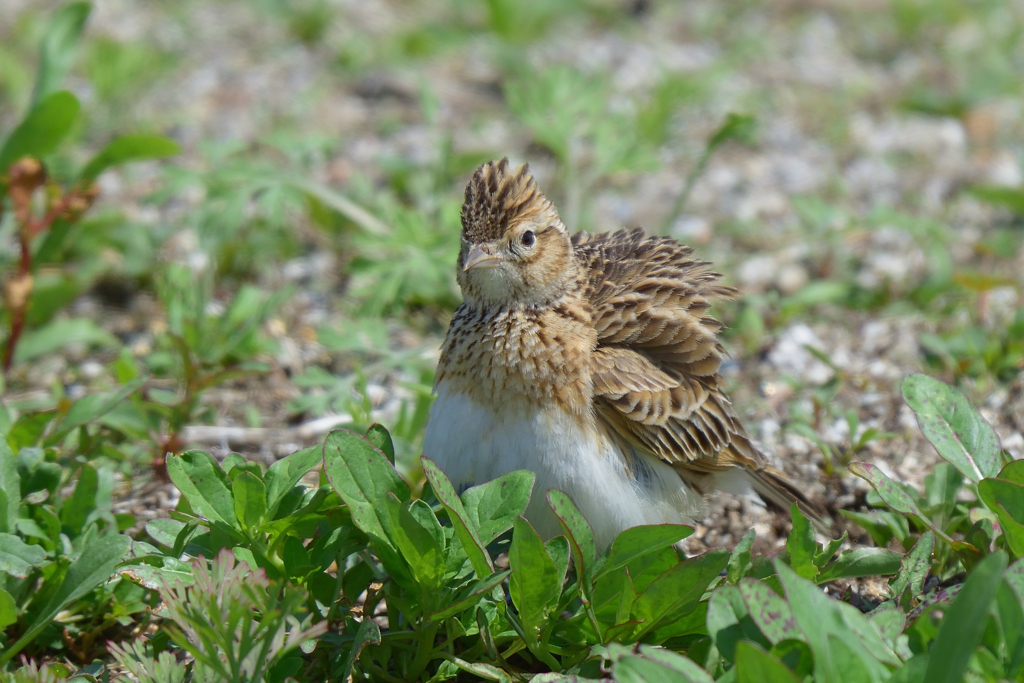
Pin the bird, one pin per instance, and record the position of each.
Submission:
(592, 361)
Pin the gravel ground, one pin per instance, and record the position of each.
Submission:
(826, 91)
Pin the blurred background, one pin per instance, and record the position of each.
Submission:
(854, 167)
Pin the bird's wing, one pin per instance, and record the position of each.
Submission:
(655, 370)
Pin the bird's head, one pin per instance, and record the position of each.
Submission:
(515, 248)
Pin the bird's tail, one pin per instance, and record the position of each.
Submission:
(773, 487)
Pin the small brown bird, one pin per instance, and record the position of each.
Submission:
(590, 360)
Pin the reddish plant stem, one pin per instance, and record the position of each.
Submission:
(29, 230)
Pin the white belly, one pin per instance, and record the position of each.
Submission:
(473, 445)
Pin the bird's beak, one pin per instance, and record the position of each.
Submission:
(478, 258)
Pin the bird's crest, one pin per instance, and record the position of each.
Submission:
(498, 197)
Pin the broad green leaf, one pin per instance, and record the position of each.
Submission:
(658, 666)
(58, 48)
(677, 592)
(10, 486)
(93, 567)
(471, 595)
(729, 622)
(535, 584)
(362, 475)
(1013, 471)
(471, 541)
(956, 429)
(8, 610)
(964, 622)
(417, 544)
(754, 665)
(577, 530)
(295, 558)
(58, 333)
(250, 497)
(164, 531)
(125, 149)
(90, 408)
(1006, 499)
(889, 622)
(204, 484)
(801, 545)
(282, 476)
(493, 507)
(41, 131)
(18, 558)
(914, 568)
(379, 436)
(82, 501)
(1015, 577)
(368, 633)
(639, 541)
(860, 562)
(769, 611)
(739, 561)
(818, 617)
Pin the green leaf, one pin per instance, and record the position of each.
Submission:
(18, 558)
(58, 48)
(655, 665)
(362, 475)
(769, 611)
(93, 567)
(8, 610)
(125, 149)
(1006, 499)
(739, 561)
(577, 530)
(535, 584)
(801, 545)
(493, 507)
(964, 622)
(59, 333)
(859, 562)
(207, 489)
(42, 130)
(76, 509)
(638, 541)
(677, 591)
(379, 436)
(914, 568)
(899, 500)
(889, 622)
(418, 546)
(754, 665)
(282, 476)
(250, 497)
(471, 595)
(10, 486)
(1013, 471)
(729, 622)
(88, 409)
(824, 621)
(367, 634)
(471, 541)
(959, 433)
(1011, 198)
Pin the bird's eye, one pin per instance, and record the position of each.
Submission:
(528, 238)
